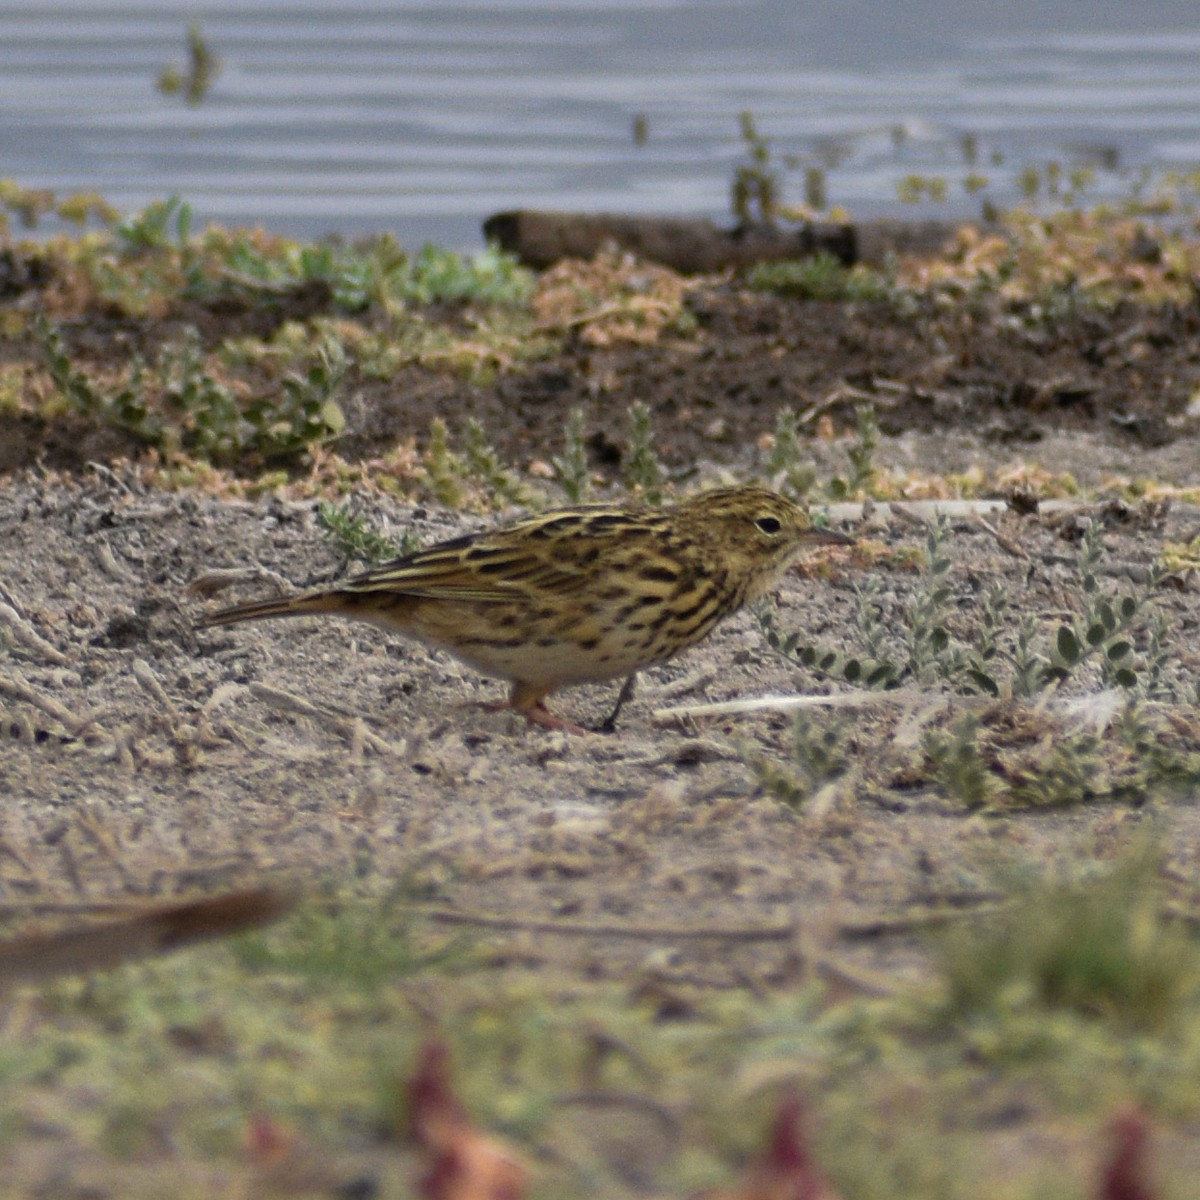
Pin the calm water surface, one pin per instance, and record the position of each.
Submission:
(424, 117)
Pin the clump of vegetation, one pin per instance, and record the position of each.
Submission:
(1018, 744)
(149, 261)
(124, 407)
(788, 464)
(203, 67)
(477, 471)
(823, 276)
(754, 194)
(361, 941)
(643, 472)
(999, 657)
(179, 406)
(860, 458)
(1097, 945)
(358, 538)
(819, 756)
(484, 463)
(571, 467)
(444, 471)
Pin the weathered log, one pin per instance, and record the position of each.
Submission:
(540, 239)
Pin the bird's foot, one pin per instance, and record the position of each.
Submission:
(535, 714)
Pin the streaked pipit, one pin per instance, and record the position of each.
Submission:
(575, 595)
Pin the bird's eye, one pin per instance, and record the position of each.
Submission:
(769, 524)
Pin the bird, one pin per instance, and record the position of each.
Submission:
(585, 594)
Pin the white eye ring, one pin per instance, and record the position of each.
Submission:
(769, 524)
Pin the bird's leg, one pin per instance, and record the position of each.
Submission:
(539, 714)
(530, 701)
(609, 724)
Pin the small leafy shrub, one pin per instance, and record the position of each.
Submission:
(819, 754)
(824, 277)
(178, 405)
(571, 467)
(643, 471)
(995, 659)
(358, 538)
(1097, 945)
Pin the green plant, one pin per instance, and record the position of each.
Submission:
(438, 275)
(1100, 630)
(125, 408)
(819, 754)
(349, 940)
(821, 276)
(29, 204)
(754, 193)
(911, 188)
(1160, 749)
(1096, 945)
(178, 405)
(447, 473)
(162, 225)
(484, 464)
(210, 422)
(788, 463)
(993, 660)
(571, 467)
(444, 470)
(358, 539)
(306, 411)
(959, 766)
(643, 471)
(860, 455)
(203, 67)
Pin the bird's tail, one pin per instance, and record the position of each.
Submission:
(284, 606)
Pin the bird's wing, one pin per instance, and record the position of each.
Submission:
(489, 567)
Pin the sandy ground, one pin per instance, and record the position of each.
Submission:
(143, 757)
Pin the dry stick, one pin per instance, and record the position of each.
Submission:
(870, 927)
(219, 578)
(144, 674)
(929, 918)
(616, 308)
(1003, 540)
(353, 729)
(28, 636)
(155, 930)
(109, 564)
(777, 703)
(745, 933)
(18, 689)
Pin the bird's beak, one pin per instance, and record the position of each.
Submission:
(827, 537)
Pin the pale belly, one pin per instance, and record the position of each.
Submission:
(524, 645)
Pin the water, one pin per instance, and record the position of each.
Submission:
(423, 118)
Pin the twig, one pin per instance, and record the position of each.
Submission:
(219, 578)
(347, 726)
(733, 933)
(18, 689)
(907, 516)
(28, 636)
(615, 308)
(926, 918)
(109, 564)
(143, 673)
(1004, 541)
(155, 930)
(787, 703)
